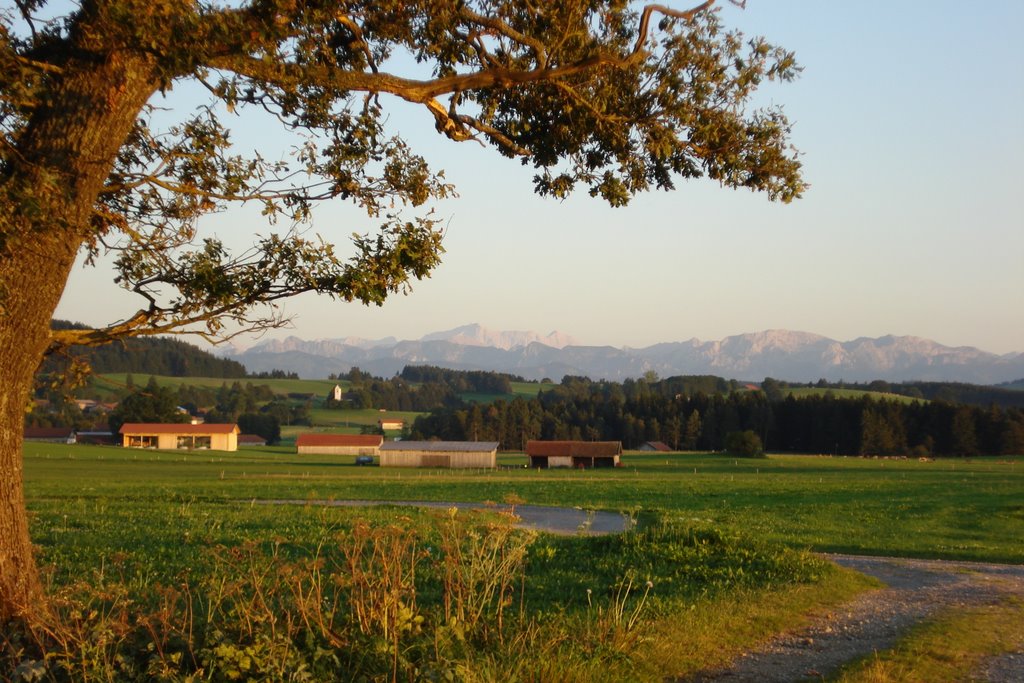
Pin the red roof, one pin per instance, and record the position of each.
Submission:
(49, 432)
(171, 428)
(585, 449)
(251, 439)
(339, 440)
(659, 446)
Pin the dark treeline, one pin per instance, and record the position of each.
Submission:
(418, 388)
(637, 411)
(955, 392)
(397, 394)
(462, 381)
(948, 392)
(147, 355)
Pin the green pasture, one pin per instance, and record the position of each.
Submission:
(524, 390)
(956, 509)
(320, 387)
(717, 565)
(804, 392)
(329, 421)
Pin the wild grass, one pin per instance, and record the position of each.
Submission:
(326, 594)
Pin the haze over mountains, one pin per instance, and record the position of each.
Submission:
(783, 354)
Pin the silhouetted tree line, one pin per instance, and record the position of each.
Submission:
(637, 411)
(149, 355)
(462, 381)
(948, 392)
(419, 388)
(274, 374)
(397, 394)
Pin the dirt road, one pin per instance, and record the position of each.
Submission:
(873, 622)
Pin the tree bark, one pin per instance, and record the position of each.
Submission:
(50, 189)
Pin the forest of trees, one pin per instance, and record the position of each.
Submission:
(146, 355)
(1004, 396)
(462, 381)
(428, 391)
(637, 411)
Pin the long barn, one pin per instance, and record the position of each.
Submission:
(454, 454)
(338, 444)
(215, 437)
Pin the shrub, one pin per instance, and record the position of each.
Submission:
(745, 444)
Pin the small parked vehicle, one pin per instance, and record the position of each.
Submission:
(364, 459)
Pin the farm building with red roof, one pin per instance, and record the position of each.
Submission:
(165, 436)
(338, 444)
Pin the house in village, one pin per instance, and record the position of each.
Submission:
(338, 444)
(659, 446)
(573, 453)
(454, 454)
(215, 437)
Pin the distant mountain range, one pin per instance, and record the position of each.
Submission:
(782, 354)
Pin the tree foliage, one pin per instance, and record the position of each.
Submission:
(613, 97)
(156, 356)
(153, 403)
(100, 155)
(745, 444)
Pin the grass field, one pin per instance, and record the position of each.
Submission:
(956, 509)
(804, 392)
(320, 387)
(180, 568)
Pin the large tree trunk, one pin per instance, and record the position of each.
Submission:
(47, 198)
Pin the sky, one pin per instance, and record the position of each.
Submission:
(910, 119)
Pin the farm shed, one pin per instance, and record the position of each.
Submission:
(51, 434)
(215, 437)
(453, 454)
(389, 425)
(659, 446)
(251, 440)
(574, 453)
(338, 444)
(97, 438)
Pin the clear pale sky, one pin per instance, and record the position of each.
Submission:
(910, 118)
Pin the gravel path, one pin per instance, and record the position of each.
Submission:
(915, 590)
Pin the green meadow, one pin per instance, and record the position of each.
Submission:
(804, 392)
(720, 559)
(952, 508)
(113, 382)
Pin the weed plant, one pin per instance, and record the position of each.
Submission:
(433, 596)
